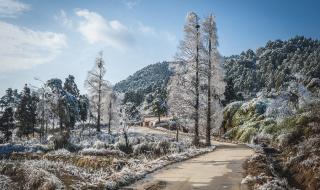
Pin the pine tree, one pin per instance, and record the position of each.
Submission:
(33, 110)
(71, 87)
(159, 105)
(9, 99)
(83, 107)
(7, 122)
(24, 112)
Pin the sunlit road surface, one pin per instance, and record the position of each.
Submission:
(218, 170)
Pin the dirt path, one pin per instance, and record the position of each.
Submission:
(218, 170)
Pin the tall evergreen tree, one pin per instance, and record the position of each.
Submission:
(83, 107)
(71, 87)
(34, 99)
(159, 105)
(7, 122)
(10, 99)
(24, 112)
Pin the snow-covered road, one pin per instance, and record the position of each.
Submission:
(217, 170)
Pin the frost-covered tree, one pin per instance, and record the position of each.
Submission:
(10, 99)
(26, 111)
(71, 106)
(213, 73)
(64, 105)
(112, 109)
(188, 54)
(98, 87)
(7, 122)
(56, 100)
(71, 87)
(272, 67)
(159, 103)
(44, 110)
(83, 107)
(33, 110)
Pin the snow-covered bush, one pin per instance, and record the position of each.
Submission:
(60, 152)
(101, 152)
(152, 148)
(99, 145)
(275, 184)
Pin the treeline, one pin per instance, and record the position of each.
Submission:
(34, 109)
(57, 105)
(272, 67)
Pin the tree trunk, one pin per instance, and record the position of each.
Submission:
(33, 130)
(99, 100)
(196, 118)
(110, 115)
(46, 127)
(61, 126)
(208, 131)
(99, 108)
(177, 134)
(159, 116)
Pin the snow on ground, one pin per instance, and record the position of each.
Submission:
(100, 160)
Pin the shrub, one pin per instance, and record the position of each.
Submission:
(101, 152)
(122, 146)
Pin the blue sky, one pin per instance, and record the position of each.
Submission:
(46, 39)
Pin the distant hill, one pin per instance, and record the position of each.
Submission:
(139, 88)
(152, 75)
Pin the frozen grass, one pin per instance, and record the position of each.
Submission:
(99, 164)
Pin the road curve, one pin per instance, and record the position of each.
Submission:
(217, 170)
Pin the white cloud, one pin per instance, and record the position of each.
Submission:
(96, 29)
(131, 3)
(160, 34)
(169, 36)
(146, 29)
(63, 18)
(12, 8)
(22, 48)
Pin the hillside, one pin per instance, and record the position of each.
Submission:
(272, 67)
(141, 88)
(275, 97)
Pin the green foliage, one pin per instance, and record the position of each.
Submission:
(66, 105)
(7, 122)
(26, 111)
(10, 99)
(70, 86)
(83, 107)
(272, 66)
(148, 85)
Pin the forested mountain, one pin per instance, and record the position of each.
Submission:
(148, 77)
(143, 88)
(272, 67)
(279, 89)
(269, 68)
